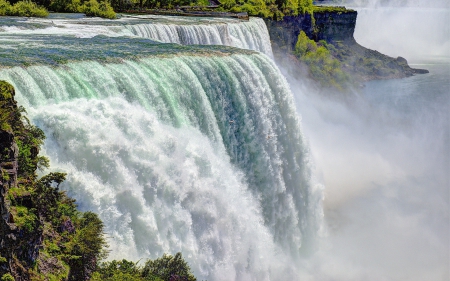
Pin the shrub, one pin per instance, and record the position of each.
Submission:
(7, 277)
(93, 8)
(118, 271)
(167, 266)
(322, 66)
(68, 6)
(28, 143)
(27, 8)
(5, 7)
(24, 218)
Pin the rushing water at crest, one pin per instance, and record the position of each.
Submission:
(195, 149)
(251, 35)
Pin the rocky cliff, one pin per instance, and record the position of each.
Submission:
(336, 26)
(43, 236)
(19, 248)
(329, 26)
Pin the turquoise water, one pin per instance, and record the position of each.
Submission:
(19, 50)
(197, 148)
(200, 149)
(250, 35)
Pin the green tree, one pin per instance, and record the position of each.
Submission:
(168, 266)
(305, 6)
(322, 66)
(102, 9)
(87, 247)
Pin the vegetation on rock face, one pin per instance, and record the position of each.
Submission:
(331, 9)
(40, 215)
(7, 277)
(322, 66)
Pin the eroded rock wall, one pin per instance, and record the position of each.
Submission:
(19, 249)
(329, 26)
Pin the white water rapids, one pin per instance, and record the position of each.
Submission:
(196, 153)
(251, 34)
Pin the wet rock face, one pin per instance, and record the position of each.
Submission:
(19, 249)
(335, 26)
(329, 26)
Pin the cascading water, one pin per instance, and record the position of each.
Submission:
(251, 34)
(177, 148)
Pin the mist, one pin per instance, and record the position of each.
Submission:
(413, 29)
(382, 154)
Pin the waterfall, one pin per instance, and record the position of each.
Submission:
(251, 35)
(192, 153)
(196, 149)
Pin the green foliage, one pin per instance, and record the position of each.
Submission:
(226, 4)
(29, 138)
(67, 6)
(275, 9)
(93, 8)
(331, 9)
(24, 8)
(7, 277)
(119, 271)
(168, 265)
(200, 3)
(24, 218)
(5, 8)
(154, 270)
(80, 246)
(27, 8)
(15, 193)
(8, 113)
(3, 260)
(118, 276)
(53, 204)
(305, 6)
(70, 238)
(253, 8)
(89, 239)
(108, 269)
(322, 66)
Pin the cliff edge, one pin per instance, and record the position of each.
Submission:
(333, 27)
(43, 236)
